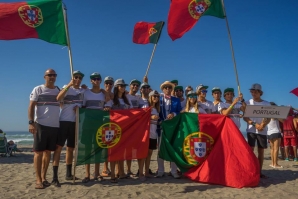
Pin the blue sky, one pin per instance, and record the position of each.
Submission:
(264, 35)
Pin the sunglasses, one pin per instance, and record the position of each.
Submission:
(51, 75)
(178, 90)
(96, 79)
(145, 87)
(109, 83)
(204, 91)
(78, 77)
(167, 87)
(192, 96)
(135, 85)
(122, 85)
(155, 96)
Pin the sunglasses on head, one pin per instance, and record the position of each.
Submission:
(51, 75)
(135, 85)
(167, 87)
(122, 85)
(109, 83)
(192, 96)
(204, 91)
(96, 79)
(78, 77)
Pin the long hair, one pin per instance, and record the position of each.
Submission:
(157, 104)
(187, 107)
(116, 100)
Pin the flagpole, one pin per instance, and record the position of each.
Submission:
(67, 39)
(150, 59)
(231, 46)
(76, 145)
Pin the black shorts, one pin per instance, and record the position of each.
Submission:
(274, 136)
(152, 144)
(261, 140)
(67, 132)
(45, 139)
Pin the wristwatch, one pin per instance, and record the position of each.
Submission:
(31, 121)
(253, 123)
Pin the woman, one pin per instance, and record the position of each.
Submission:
(274, 137)
(120, 101)
(192, 105)
(155, 109)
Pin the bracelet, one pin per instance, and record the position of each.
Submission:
(66, 88)
(242, 100)
(231, 107)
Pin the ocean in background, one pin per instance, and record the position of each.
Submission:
(20, 137)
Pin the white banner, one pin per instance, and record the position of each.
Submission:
(280, 112)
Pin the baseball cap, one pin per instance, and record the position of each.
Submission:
(145, 84)
(191, 93)
(175, 81)
(120, 82)
(178, 87)
(95, 74)
(108, 78)
(216, 89)
(256, 87)
(135, 81)
(77, 72)
(201, 86)
(229, 90)
(154, 92)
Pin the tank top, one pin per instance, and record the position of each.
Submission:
(288, 128)
(273, 127)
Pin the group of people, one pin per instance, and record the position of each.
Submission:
(52, 117)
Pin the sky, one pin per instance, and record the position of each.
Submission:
(264, 35)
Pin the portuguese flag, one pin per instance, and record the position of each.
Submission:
(40, 19)
(184, 14)
(145, 32)
(209, 149)
(112, 135)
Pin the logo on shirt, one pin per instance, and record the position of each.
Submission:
(197, 147)
(197, 8)
(108, 135)
(31, 15)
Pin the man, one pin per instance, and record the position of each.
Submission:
(216, 94)
(178, 90)
(205, 104)
(175, 82)
(256, 127)
(72, 96)
(169, 107)
(145, 90)
(44, 125)
(187, 89)
(290, 130)
(232, 107)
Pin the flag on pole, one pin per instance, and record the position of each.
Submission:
(295, 91)
(40, 19)
(209, 149)
(112, 135)
(145, 32)
(184, 14)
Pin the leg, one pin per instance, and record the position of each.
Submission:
(113, 175)
(128, 165)
(121, 169)
(68, 160)
(56, 159)
(295, 152)
(105, 172)
(45, 164)
(38, 165)
(87, 169)
(287, 153)
(261, 157)
(147, 162)
(141, 167)
(272, 152)
(275, 151)
(96, 170)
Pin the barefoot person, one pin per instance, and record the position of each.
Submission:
(43, 115)
(72, 96)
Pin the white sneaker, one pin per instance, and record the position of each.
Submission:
(176, 176)
(160, 174)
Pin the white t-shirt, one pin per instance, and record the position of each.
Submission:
(72, 98)
(95, 100)
(208, 106)
(251, 128)
(201, 111)
(234, 114)
(47, 108)
(273, 127)
(153, 124)
(135, 100)
(216, 108)
(121, 105)
(144, 103)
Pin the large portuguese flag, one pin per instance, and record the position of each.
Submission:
(184, 14)
(145, 32)
(40, 19)
(209, 148)
(112, 135)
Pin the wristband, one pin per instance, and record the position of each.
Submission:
(253, 123)
(231, 107)
(66, 88)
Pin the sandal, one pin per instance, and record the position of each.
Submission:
(46, 183)
(39, 186)
(105, 173)
(129, 174)
(114, 180)
(85, 180)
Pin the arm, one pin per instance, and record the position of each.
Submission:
(145, 79)
(227, 111)
(295, 125)
(31, 111)
(63, 92)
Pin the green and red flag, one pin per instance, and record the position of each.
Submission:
(112, 135)
(209, 149)
(184, 14)
(40, 19)
(145, 32)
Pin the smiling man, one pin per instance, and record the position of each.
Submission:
(207, 105)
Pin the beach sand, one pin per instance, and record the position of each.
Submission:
(17, 180)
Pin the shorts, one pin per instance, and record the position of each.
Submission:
(290, 141)
(261, 140)
(45, 139)
(67, 132)
(152, 144)
(274, 136)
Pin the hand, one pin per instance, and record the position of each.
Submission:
(235, 101)
(240, 97)
(145, 79)
(259, 127)
(107, 108)
(70, 83)
(170, 116)
(155, 117)
(83, 86)
(32, 128)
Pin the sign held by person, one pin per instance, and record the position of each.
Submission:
(280, 112)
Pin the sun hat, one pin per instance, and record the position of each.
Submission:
(144, 84)
(256, 87)
(167, 83)
(201, 86)
(191, 93)
(108, 78)
(120, 82)
(77, 72)
(216, 89)
(154, 92)
(135, 81)
(95, 74)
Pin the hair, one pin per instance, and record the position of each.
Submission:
(196, 106)
(157, 104)
(232, 93)
(116, 100)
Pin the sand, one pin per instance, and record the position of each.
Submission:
(18, 180)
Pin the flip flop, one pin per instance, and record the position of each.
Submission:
(46, 183)
(114, 180)
(278, 167)
(39, 186)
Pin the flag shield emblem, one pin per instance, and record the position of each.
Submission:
(31, 15)
(200, 149)
(197, 8)
(108, 135)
